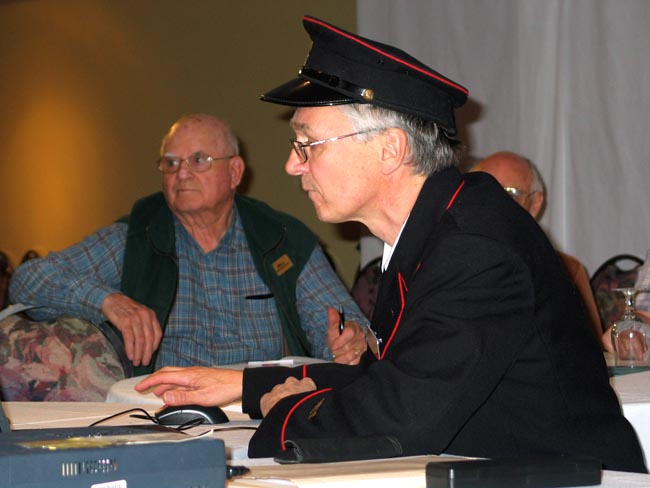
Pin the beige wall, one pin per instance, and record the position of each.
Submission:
(88, 87)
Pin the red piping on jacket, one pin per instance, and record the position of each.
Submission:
(402, 296)
(304, 370)
(403, 289)
(293, 409)
(390, 56)
(453, 197)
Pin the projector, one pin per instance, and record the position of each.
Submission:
(110, 457)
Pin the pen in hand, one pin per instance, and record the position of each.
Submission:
(341, 319)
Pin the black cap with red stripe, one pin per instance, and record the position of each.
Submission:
(345, 68)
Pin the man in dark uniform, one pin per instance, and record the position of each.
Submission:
(483, 348)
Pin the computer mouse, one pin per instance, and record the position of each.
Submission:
(182, 414)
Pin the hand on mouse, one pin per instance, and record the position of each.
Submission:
(291, 386)
(195, 385)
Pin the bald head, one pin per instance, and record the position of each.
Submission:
(518, 176)
(209, 125)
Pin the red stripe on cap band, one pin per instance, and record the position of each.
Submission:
(390, 56)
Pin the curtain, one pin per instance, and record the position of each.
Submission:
(566, 83)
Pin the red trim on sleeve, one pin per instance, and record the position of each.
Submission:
(304, 370)
(402, 295)
(293, 409)
(453, 197)
(390, 56)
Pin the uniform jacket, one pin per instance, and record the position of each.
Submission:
(486, 350)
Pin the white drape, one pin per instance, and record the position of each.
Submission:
(565, 83)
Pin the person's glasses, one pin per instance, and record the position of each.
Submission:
(516, 192)
(197, 162)
(301, 147)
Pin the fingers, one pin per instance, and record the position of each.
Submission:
(200, 385)
(138, 324)
(291, 386)
(348, 347)
(333, 332)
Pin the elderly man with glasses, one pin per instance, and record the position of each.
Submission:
(198, 274)
(479, 347)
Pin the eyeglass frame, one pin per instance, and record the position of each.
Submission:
(190, 165)
(299, 147)
(515, 192)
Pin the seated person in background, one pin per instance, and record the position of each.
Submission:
(476, 357)
(643, 281)
(522, 181)
(210, 276)
(642, 302)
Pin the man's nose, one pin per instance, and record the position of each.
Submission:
(294, 166)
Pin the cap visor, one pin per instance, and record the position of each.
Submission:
(303, 93)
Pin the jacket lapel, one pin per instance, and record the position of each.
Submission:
(420, 228)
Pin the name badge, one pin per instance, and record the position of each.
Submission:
(282, 265)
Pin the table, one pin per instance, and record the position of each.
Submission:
(633, 391)
(402, 472)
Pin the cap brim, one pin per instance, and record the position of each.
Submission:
(303, 93)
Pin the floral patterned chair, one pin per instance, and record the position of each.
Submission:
(66, 360)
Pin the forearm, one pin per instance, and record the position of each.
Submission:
(74, 281)
(317, 289)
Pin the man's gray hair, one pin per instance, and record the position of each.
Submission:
(429, 149)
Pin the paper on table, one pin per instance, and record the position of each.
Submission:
(14, 309)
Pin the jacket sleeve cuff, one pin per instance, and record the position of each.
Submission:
(258, 381)
(276, 427)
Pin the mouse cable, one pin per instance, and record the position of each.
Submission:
(146, 416)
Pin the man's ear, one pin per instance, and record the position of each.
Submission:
(394, 149)
(536, 204)
(237, 167)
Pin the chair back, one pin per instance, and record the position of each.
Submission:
(617, 272)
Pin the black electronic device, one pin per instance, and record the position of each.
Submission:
(187, 414)
(541, 472)
(115, 457)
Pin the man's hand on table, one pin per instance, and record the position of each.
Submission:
(197, 385)
(291, 386)
(347, 346)
(138, 324)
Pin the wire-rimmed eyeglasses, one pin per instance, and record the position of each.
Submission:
(197, 162)
(301, 147)
(516, 192)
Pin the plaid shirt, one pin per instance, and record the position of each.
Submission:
(212, 321)
(643, 281)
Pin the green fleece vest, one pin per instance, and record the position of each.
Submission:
(280, 246)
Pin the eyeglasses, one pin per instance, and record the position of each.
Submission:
(198, 162)
(516, 192)
(301, 147)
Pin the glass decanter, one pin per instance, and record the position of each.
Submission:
(630, 334)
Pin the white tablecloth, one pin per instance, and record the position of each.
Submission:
(633, 391)
(35, 415)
